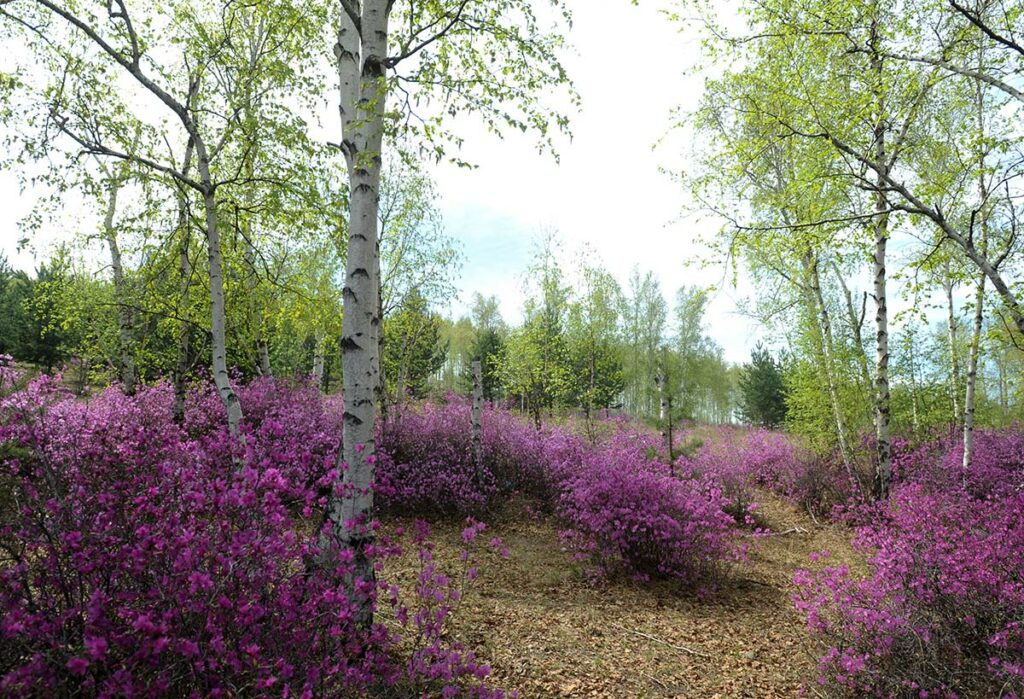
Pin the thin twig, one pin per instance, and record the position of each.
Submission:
(654, 679)
(792, 530)
(673, 646)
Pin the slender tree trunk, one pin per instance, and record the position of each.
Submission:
(318, 361)
(665, 411)
(954, 361)
(883, 467)
(828, 357)
(263, 350)
(218, 311)
(251, 287)
(125, 320)
(856, 323)
(400, 388)
(659, 382)
(979, 299)
(361, 55)
(184, 358)
(478, 411)
(972, 372)
(883, 474)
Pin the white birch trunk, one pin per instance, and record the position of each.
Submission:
(828, 355)
(972, 373)
(954, 361)
(126, 355)
(883, 474)
(263, 351)
(218, 312)
(184, 358)
(361, 56)
(659, 381)
(883, 467)
(856, 323)
(979, 299)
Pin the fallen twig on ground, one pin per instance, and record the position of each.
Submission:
(673, 646)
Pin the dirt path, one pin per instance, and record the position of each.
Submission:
(546, 632)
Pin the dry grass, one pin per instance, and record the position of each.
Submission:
(547, 632)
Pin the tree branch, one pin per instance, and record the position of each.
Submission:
(988, 31)
(395, 60)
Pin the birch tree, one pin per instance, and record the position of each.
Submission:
(826, 76)
(183, 62)
(644, 317)
(489, 57)
(784, 213)
(125, 329)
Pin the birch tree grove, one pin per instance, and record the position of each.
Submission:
(490, 57)
(844, 125)
(202, 88)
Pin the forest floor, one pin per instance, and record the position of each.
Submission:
(547, 631)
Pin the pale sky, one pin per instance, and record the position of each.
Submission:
(629, 65)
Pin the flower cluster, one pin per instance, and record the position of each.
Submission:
(143, 558)
(997, 463)
(941, 612)
(435, 666)
(426, 462)
(623, 510)
(743, 460)
(628, 513)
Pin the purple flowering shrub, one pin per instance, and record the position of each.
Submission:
(725, 459)
(744, 460)
(997, 466)
(941, 612)
(628, 514)
(622, 509)
(530, 461)
(426, 462)
(291, 430)
(435, 666)
(140, 558)
(135, 564)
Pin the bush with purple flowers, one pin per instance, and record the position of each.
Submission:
(426, 462)
(623, 510)
(743, 460)
(628, 514)
(997, 466)
(941, 612)
(142, 558)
